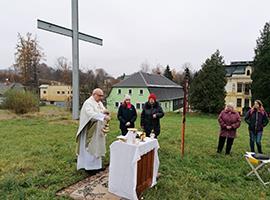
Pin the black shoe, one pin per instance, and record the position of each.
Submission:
(102, 169)
(94, 171)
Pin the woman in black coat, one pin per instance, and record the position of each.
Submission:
(127, 115)
(150, 116)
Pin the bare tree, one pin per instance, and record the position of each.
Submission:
(27, 58)
(145, 67)
(159, 69)
(101, 76)
(45, 72)
(179, 76)
(90, 80)
(65, 68)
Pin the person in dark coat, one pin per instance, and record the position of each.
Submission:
(229, 120)
(256, 119)
(151, 115)
(127, 115)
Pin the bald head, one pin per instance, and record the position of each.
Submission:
(97, 91)
(98, 94)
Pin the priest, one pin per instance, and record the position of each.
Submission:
(91, 134)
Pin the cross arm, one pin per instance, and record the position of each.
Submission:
(67, 32)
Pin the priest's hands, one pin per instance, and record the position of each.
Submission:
(106, 112)
(107, 115)
(128, 124)
(107, 118)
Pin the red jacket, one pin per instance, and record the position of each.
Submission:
(229, 118)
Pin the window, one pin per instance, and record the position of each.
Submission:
(68, 92)
(138, 105)
(182, 101)
(142, 105)
(247, 88)
(116, 104)
(246, 102)
(130, 91)
(141, 92)
(166, 105)
(58, 92)
(248, 72)
(63, 92)
(239, 87)
(239, 103)
(44, 92)
(119, 91)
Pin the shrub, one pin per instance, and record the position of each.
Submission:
(20, 102)
(42, 103)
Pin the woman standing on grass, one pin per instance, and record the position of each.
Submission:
(256, 119)
(150, 117)
(127, 115)
(229, 120)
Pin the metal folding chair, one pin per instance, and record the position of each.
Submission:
(256, 164)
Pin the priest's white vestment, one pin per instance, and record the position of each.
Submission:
(90, 137)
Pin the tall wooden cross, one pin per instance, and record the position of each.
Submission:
(76, 36)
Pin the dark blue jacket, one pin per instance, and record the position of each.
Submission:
(256, 120)
(147, 121)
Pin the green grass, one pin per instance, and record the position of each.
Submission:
(37, 158)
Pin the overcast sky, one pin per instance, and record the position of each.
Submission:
(154, 31)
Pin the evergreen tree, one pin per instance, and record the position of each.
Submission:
(207, 90)
(260, 87)
(168, 73)
(187, 73)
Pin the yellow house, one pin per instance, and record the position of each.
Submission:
(55, 93)
(238, 84)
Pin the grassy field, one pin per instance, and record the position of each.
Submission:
(37, 158)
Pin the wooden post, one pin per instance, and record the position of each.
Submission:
(184, 119)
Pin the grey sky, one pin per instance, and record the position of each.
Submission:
(158, 32)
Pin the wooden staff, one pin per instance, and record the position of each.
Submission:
(184, 119)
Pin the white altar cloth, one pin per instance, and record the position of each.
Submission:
(123, 166)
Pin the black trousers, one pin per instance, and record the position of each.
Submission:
(221, 143)
(124, 131)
